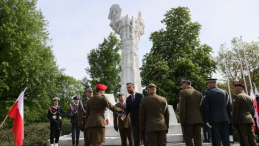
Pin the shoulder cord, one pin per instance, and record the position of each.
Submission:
(82, 106)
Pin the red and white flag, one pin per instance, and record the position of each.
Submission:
(255, 106)
(16, 112)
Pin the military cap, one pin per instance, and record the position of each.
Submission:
(211, 80)
(101, 86)
(75, 98)
(151, 85)
(120, 95)
(186, 80)
(89, 89)
(239, 85)
(56, 98)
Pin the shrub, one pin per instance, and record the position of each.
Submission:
(35, 134)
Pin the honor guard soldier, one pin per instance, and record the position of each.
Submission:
(191, 111)
(154, 117)
(243, 112)
(217, 113)
(123, 126)
(54, 115)
(81, 113)
(72, 113)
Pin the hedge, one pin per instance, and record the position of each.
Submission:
(35, 134)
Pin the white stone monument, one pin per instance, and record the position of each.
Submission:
(130, 31)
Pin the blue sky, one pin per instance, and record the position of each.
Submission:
(77, 26)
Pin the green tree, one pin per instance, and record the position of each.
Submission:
(234, 69)
(104, 64)
(177, 53)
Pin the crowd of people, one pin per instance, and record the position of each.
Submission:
(147, 118)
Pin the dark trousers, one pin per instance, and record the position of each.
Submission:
(219, 133)
(136, 133)
(192, 131)
(206, 132)
(246, 134)
(157, 138)
(85, 135)
(124, 133)
(54, 132)
(75, 133)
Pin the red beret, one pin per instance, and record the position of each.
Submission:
(239, 85)
(101, 86)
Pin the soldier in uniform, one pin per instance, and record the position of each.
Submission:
(96, 107)
(191, 112)
(154, 117)
(123, 126)
(217, 113)
(243, 112)
(81, 113)
(72, 113)
(54, 115)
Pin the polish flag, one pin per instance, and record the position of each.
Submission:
(256, 104)
(256, 108)
(16, 112)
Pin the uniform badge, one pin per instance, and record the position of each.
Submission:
(234, 100)
(204, 96)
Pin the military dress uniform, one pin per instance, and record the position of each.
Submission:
(72, 113)
(54, 116)
(124, 127)
(154, 118)
(95, 123)
(191, 114)
(217, 113)
(81, 116)
(243, 112)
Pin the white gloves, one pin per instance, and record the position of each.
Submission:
(208, 125)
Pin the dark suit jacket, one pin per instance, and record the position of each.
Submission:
(243, 109)
(217, 105)
(133, 108)
(117, 120)
(72, 113)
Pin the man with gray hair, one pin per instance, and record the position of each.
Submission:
(81, 113)
(133, 105)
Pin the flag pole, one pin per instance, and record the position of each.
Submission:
(238, 52)
(226, 69)
(251, 86)
(3, 121)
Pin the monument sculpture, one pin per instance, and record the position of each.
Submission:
(130, 31)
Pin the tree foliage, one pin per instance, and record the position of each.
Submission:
(26, 60)
(234, 69)
(104, 64)
(177, 53)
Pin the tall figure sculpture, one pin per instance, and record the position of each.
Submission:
(130, 31)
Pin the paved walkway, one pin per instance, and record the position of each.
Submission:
(81, 143)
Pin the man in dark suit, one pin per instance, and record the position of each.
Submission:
(72, 113)
(217, 113)
(191, 113)
(243, 113)
(123, 126)
(133, 105)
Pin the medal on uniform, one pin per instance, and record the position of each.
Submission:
(54, 117)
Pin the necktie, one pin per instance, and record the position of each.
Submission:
(133, 98)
